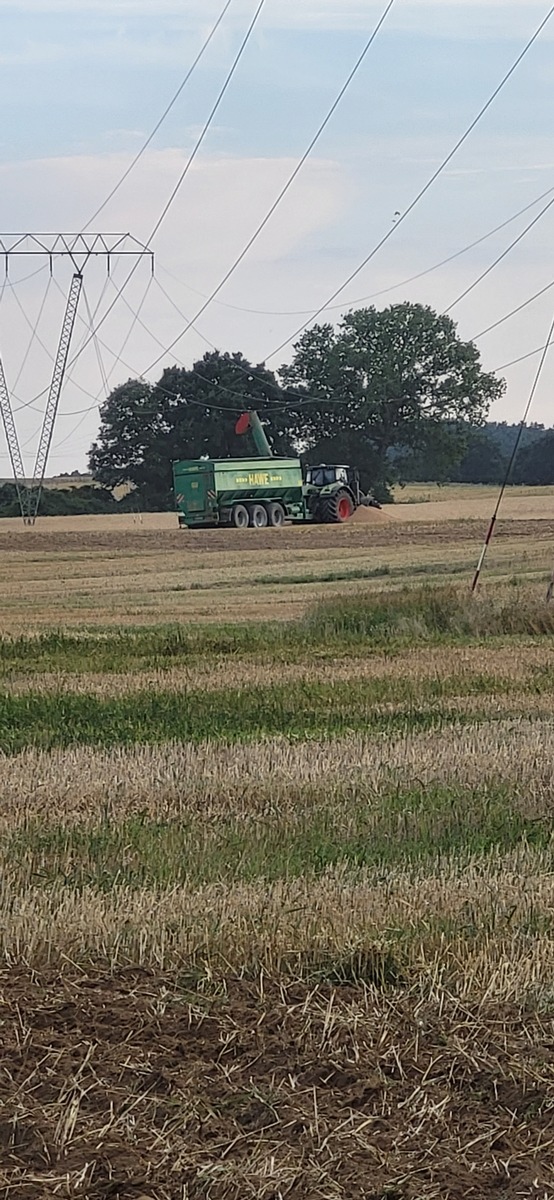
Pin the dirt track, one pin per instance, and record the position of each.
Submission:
(387, 533)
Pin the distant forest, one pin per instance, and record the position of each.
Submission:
(488, 450)
(487, 456)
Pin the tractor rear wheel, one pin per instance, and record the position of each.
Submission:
(337, 508)
(239, 516)
(258, 516)
(276, 515)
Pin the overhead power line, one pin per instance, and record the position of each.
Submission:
(34, 330)
(390, 232)
(404, 216)
(522, 358)
(286, 188)
(423, 191)
(302, 312)
(513, 457)
(501, 257)
(163, 117)
(97, 350)
(443, 262)
(464, 250)
(197, 147)
(421, 274)
(513, 312)
(198, 144)
(209, 121)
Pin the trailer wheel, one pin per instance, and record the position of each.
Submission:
(258, 516)
(276, 515)
(240, 516)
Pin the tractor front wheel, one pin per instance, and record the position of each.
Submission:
(337, 508)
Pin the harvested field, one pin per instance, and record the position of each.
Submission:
(99, 573)
(269, 1091)
(277, 863)
(522, 666)
(429, 501)
(395, 529)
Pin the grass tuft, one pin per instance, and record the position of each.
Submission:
(427, 613)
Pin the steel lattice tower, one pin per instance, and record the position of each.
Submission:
(79, 248)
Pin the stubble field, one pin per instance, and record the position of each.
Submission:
(277, 898)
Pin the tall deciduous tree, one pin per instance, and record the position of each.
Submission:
(397, 379)
(187, 414)
(129, 423)
(381, 386)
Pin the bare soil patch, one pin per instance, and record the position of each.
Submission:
(137, 1087)
(351, 535)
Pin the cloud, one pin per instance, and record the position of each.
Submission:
(217, 211)
(145, 33)
(286, 14)
(223, 199)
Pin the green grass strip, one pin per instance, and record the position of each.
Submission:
(297, 709)
(399, 827)
(350, 624)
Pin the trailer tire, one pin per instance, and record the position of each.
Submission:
(276, 515)
(258, 516)
(240, 516)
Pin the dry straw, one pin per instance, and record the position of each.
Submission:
(483, 926)
(213, 780)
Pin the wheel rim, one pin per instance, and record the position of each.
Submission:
(344, 508)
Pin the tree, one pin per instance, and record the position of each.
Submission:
(505, 436)
(483, 461)
(534, 465)
(187, 414)
(397, 379)
(129, 424)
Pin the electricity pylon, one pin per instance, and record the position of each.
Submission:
(79, 248)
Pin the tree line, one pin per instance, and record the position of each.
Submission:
(383, 391)
(488, 454)
(394, 392)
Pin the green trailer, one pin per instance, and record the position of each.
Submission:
(262, 491)
(239, 492)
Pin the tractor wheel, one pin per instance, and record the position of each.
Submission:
(239, 516)
(258, 516)
(276, 515)
(337, 508)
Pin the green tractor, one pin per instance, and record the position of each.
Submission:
(333, 493)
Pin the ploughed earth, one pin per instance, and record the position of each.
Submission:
(157, 1087)
(376, 528)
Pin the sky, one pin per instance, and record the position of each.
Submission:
(82, 84)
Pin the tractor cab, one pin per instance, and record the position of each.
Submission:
(332, 492)
(325, 475)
